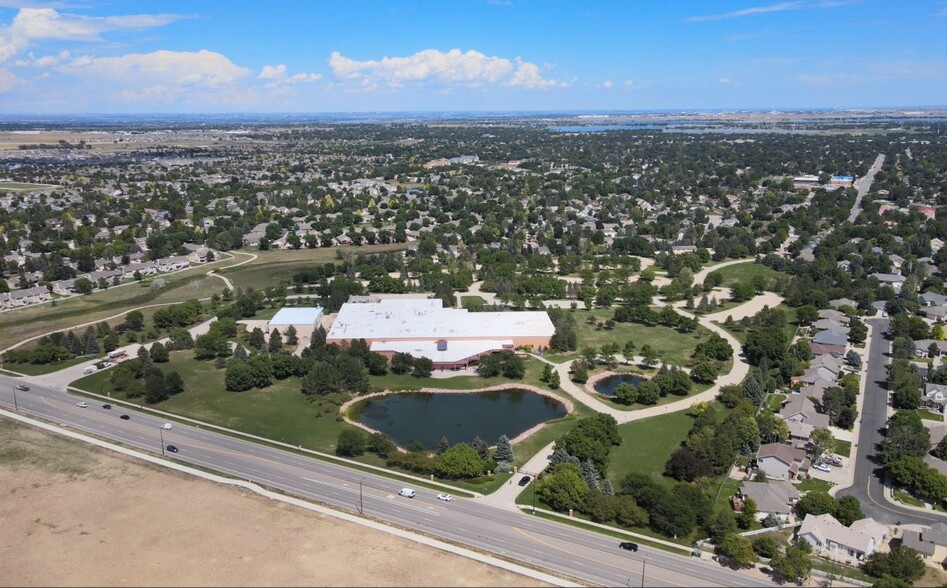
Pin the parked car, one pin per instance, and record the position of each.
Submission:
(628, 545)
(524, 480)
(22, 388)
(166, 426)
(82, 404)
(124, 417)
(107, 406)
(172, 449)
(834, 460)
(822, 467)
(406, 492)
(445, 497)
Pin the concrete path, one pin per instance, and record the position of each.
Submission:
(700, 276)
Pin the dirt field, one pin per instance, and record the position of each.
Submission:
(77, 516)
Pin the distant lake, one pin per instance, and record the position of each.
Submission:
(608, 384)
(416, 416)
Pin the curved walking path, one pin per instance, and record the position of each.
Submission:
(700, 276)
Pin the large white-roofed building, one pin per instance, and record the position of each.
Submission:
(303, 319)
(450, 337)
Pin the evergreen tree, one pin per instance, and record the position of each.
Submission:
(74, 344)
(159, 353)
(276, 341)
(240, 353)
(481, 447)
(144, 357)
(292, 338)
(91, 343)
(607, 489)
(590, 474)
(554, 380)
(442, 445)
(504, 450)
(257, 339)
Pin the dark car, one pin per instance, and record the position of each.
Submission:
(124, 417)
(524, 480)
(107, 406)
(628, 545)
(22, 388)
(172, 449)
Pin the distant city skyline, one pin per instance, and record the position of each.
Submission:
(172, 56)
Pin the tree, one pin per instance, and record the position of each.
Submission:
(257, 339)
(683, 465)
(821, 442)
(765, 546)
(807, 314)
(704, 373)
(722, 525)
(323, 378)
(135, 320)
(906, 436)
(748, 516)
(239, 376)
(848, 510)
(554, 380)
(292, 338)
(351, 443)
(91, 344)
(423, 366)
(159, 353)
(579, 373)
(504, 452)
(902, 563)
(649, 356)
(648, 392)
(401, 363)
(175, 383)
(738, 549)
(156, 387)
(794, 565)
(275, 342)
(853, 359)
(564, 488)
(481, 447)
(458, 462)
(442, 445)
(816, 503)
(144, 357)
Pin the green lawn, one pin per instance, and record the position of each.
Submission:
(906, 498)
(672, 346)
(742, 272)
(646, 446)
(774, 402)
(814, 485)
(843, 448)
(396, 382)
(38, 369)
(740, 334)
(470, 302)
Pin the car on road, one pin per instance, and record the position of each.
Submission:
(107, 406)
(166, 426)
(172, 449)
(628, 546)
(124, 417)
(524, 480)
(82, 404)
(445, 497)
(406, 492)
(22, 388)
(822, 467)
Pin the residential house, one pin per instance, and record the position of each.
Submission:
(801, 409)
(107, 275)
(896, 261)
(922, 348)
(781, 461)
(831, 337)
(840, 302)
(830, 325)
(930, 542)
(146, 269)
(827, 535)
(829, 362)
(24, 297)
(772, 498)
(65, 287)
(934, 312)
(896, 281)
(834, 315)
(176, 262)
(932, 299)
(935, 396)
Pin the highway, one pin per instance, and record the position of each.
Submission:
(556, 548)
(863, 184)
(869, 474)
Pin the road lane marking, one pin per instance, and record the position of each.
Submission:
(624, 571)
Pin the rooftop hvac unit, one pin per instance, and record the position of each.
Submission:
(442, 345)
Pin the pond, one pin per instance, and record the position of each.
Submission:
(424, 417)
(607, 385)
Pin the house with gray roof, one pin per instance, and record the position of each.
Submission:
(772, 498)
(831, 337)
(930, 542)
(932, 299)
(896, 281)
(782, 462)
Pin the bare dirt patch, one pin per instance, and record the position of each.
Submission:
(78, 516)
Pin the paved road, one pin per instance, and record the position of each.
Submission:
(863, 184)
(869, 475)
(557, 548)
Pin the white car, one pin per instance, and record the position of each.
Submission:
(822, 467)
(406, 492)
(445, 497)
(82, 404)
(166, 426)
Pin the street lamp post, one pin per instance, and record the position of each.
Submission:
(361, 504)
(644, 562)
(16, 408)
(161, 433)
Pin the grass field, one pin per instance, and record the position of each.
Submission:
(24, 187)
(742, 272)
(740, 334)
(813, 485)
(646, 446)
(273, 268)
(672, 346)
(31, 369)
(843, 448)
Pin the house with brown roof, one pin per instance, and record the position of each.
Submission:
(781, 461)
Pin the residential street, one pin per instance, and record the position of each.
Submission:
(869, 476)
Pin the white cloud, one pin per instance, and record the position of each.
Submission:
(527, 76)
(454, 67)
(770, 8)
(7, 80)
(631, 84)
(724, 80)
(38, 24)
(44, 61)
(608, 84)
(277, 76)
(160, 68)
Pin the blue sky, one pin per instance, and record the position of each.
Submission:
(84, 56)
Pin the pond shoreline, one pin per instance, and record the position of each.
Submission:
(567, 403)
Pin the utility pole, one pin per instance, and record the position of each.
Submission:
(15, 407)
(361, 504)
(644, 562)
(161, 433)
(534, 497)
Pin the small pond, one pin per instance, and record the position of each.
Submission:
(608, 384)
(416, 416)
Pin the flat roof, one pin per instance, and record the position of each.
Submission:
(427, 319)
(297, 316)
(456, 350)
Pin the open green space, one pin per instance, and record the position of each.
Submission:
(38, 369)
(840, 570)
(276, 267)
(906, 498)
(472, 302)
(774, 402)
(813, 485)
(646, 446)
(740, 333)
(671, 346)
(926, 414)
(843, 448)
(742, 272)
(399, 382)
(24, 187)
